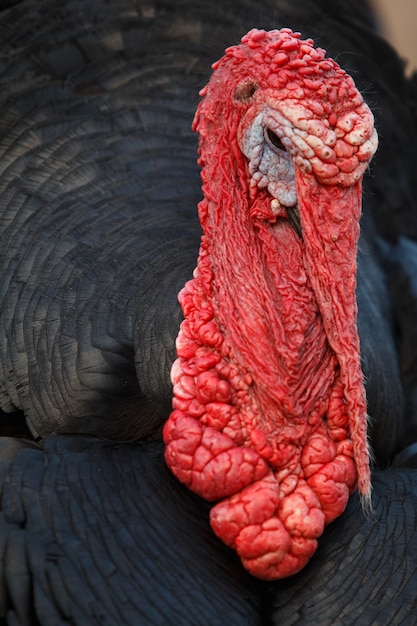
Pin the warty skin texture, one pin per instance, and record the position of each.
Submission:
(269, 402)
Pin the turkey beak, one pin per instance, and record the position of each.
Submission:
(294, 219)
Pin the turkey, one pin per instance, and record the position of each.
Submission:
(269, 399)
(100, 232)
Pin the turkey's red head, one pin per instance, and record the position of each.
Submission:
(269, 403)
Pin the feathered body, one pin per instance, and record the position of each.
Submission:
(99, 233)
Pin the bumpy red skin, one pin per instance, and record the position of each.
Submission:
(269, 405)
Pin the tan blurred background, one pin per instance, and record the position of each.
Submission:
(398, 23)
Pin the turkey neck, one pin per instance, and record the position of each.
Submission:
(263, 300)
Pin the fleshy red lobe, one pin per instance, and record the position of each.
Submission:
(269, 407)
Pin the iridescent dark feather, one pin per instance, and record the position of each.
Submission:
(98, 192)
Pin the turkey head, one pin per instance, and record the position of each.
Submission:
(269, 408)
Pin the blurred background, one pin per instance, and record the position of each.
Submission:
(398, 19)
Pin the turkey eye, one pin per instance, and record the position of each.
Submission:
(275, 140)
(245, 92)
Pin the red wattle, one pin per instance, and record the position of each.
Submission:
(269, 409)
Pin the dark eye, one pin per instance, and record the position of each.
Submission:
(245, 92)
(275, 140)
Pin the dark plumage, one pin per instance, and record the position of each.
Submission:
(99, 231)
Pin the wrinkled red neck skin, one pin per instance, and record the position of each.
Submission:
(267, 312)
(269, 414)
(268, 369)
